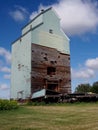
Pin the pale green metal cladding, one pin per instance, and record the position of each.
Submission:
(21, 68)
(41, 35)
(37, 32)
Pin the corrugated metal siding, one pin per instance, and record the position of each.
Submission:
(57, 39)
(21, 67)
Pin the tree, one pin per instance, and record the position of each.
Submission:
(83, 88)
(94, 87)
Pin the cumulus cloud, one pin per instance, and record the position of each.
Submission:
(82, 73)
(1, 62)
(4, 91)
(6, 54)
(34, 14)
(19, 13)
(4, 86)
(77, 16)
(5, 69)
(92, 63)
(7, 76)
(86, 71)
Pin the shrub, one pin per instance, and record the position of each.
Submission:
(8, 105)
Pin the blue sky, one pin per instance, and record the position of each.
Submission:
(79, 20)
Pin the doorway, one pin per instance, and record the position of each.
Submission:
(53, 87)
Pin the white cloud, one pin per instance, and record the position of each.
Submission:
(86, 71)
(33, 14)
(6, 54)
(19, 13)
(4, 86)
(7, 76)
(21, 9)
(92, 63)
(1, 62)
(82, 73)
(4, 91)
(77, 16)
(5, 69)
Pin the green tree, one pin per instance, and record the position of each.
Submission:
(83, 88)
(94, 87)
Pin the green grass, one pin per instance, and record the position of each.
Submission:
(82, 116)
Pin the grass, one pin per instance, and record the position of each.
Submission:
(82, 116)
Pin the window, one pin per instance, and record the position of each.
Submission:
(68, 58)
(30, 26)
(50, 31)
(51, 70)
(19, 66)
(52, 62)
(20, 39)
(45, 58)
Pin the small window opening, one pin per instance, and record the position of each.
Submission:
(51, 70)
(52, 62)
(33, 77)
(55, 61)
(42, 10)
(19, 66)
(68, 58)
(53, 87)
(51, 31)
(70, 80)
(46, 58)
(30, 26)
(20, 39)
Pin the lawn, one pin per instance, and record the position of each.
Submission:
(82, 116)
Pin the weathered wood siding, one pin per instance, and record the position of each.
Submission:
(43, 57)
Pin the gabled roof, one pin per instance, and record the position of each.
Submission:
(41, 13)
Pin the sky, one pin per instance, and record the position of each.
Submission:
(79, 21)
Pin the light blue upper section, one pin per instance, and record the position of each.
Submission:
(57, 39)
(45, 21)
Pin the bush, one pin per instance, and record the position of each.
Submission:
(8, 105)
